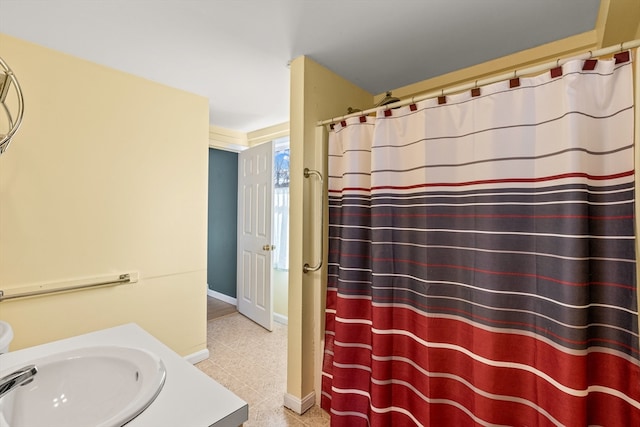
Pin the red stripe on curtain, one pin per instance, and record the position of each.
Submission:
(449, 364)
(503, 181)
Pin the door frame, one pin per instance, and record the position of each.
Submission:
(237, 142)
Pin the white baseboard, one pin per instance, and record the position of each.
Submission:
(297, 405)
(283, 320)
(198, 356)
(222, 297)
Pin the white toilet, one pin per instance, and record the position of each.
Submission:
(6, 336)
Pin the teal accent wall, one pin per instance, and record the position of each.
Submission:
(223, 214)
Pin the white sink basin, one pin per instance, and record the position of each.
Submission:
(91, 386)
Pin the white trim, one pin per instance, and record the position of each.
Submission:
(227, 139)
(280, 318)
(297, 405)
(222, 297)
(271, 133)
(198, 356)
(231, 140)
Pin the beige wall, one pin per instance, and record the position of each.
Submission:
(617, 21)
(317, 94)
(281, 292)
(107, 175)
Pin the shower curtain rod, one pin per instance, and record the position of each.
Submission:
(483, 82)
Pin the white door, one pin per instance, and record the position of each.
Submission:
(255, 208)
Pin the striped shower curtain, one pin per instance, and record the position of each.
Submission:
(482, 257)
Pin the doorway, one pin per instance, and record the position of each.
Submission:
(281, 230)
(222, 226)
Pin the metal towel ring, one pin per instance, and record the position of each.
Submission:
(6, 78)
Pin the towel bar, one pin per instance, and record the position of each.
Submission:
(307, 268)
(123, 278)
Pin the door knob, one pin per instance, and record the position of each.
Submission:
(268, 247)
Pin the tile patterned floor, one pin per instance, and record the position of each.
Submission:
(252, 363)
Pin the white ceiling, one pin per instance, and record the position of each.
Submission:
(236, 52)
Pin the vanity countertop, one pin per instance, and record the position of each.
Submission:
(189, 397)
